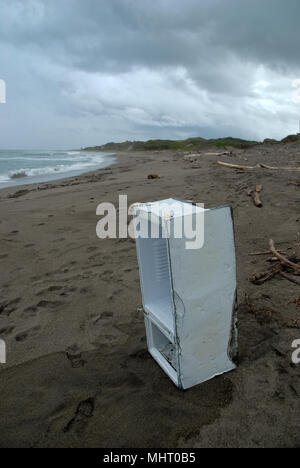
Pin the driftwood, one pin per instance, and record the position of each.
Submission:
(272, 259)
(295, 323)
(256, 199)
(154, 176)
(236, 166)
(255, 195)
(261, 278)
(267, 252)
(287, 266)
(283, 259)
(258, 166)
(292, 278)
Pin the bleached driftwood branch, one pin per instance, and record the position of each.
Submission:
(283, 259)
(258, 166)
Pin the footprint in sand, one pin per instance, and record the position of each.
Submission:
(50, 304)
(91, 249)
(23, 336)
(74, 356)
(54, 288)
(106, 314)
(8, 307)
(115, 294)
(68, 290)
(32, 310)
(101, 332)
(106, 275)
(50, 289)
(83, 413)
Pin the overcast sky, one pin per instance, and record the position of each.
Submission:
(85, 72)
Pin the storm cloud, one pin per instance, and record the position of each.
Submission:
(86, 72)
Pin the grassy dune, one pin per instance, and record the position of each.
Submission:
(187, 145)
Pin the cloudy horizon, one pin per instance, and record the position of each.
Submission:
(86, 73)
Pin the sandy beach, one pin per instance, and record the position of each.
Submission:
(78, 373)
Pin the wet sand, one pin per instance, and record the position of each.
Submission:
(78, 372)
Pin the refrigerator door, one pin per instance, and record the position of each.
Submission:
(204, 284)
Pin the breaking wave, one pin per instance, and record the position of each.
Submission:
(28, 167)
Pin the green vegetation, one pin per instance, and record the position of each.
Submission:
(191, 144)
(182, 145)
(291, 139)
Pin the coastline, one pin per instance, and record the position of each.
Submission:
(69, 312)
(60, 180)
(19, 177)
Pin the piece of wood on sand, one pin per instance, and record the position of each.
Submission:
(154, 176)
(261, 278)
(266, 252)
(256, 195)
(283, 259)
(257, 166)
(292, 278)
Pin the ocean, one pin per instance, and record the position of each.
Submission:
(19, 167)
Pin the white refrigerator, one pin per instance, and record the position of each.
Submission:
(188, 288)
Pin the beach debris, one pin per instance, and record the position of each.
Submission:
(260, 278)
(165, 264)
(224, 153)
(292, 278)
(283, 259)
(295, 324)
(287, 267)
(154, 176)
(255, 194)
(266, 252)
(194, 157)
(295, 300)
(257, 166)
(191, 156)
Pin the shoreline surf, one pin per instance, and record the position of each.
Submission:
(24, 167)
